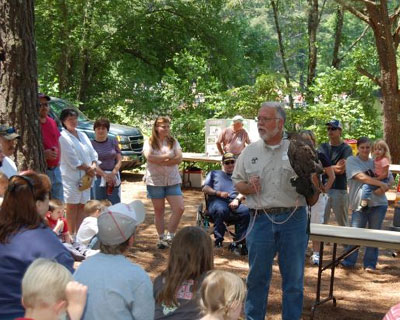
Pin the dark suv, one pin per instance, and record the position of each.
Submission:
(130, 139)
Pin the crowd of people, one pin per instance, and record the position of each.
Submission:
(38, 244)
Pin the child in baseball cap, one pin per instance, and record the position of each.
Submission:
(118, 288)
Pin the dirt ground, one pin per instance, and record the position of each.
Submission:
(359, 294)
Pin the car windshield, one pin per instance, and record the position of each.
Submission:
(58, 105)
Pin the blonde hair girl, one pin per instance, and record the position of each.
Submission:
(384, 150)
(222, 296)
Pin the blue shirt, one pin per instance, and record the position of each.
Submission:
(15, 257)
(221, 181)
(117, 289)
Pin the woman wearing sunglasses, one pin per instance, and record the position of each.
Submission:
(24, 237)
(163, 181)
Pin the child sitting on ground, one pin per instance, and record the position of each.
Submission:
(48, 291)
(381, 155)
(57, 222)
(3, 186)
(88, 228)
(222, 296)
(176, 290)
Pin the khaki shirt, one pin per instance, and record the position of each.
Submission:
(271, 164)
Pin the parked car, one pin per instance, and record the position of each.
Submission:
(130, 139)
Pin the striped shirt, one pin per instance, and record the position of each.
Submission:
(394, 313)
(107, 151)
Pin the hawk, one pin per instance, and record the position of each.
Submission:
(304, 160)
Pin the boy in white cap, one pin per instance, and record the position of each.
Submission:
(233, 139)
(118, 288)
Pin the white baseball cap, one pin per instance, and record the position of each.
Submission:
(118, 223)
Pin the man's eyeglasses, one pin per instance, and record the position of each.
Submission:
(264, 119)
(332, 128)
(229, 162)
(44, 104)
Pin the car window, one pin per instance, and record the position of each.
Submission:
(58, 105)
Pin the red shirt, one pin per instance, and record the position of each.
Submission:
(53, 223)
(50, 136)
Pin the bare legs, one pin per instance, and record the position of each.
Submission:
(177, 208)
(75, 216)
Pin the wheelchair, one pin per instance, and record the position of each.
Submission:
(204, 220)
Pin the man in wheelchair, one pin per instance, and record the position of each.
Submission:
(224, 203)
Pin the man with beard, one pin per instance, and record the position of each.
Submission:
(262, 174)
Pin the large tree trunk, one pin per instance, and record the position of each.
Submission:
(18, 81)
(376, 15)
(381, 27)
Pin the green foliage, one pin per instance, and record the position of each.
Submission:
(344, 95)
(195, 60)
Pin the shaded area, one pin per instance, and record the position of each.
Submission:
(359, 294)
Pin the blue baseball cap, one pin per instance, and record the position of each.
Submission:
(334, 124)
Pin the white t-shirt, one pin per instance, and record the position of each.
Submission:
(8, 167)
(87, 230)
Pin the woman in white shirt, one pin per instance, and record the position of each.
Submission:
(163, 154)
(77, 159)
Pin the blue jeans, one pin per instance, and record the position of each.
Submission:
(373, 216)
(220, 212)
(100, 193)
(57, 190)
(265, 240)
(367, 189)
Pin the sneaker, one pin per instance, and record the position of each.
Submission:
(168, 238)
(315, 259)
(218, 244)
(162, 244)
(370, 269)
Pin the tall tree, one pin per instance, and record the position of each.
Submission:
(339, 15)
(386, 30)
(18, 81)
(274, 5)
(313, 22)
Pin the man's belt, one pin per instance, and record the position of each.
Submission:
(51, 168)
(275, 210)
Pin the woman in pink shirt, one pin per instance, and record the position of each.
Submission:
(163, 181)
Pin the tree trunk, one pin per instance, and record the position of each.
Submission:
(282, 52)
(381, 27)
(18, 82)
(376, 15)
(85, 54)
(63, 64)
(338, 36)
(312, 41)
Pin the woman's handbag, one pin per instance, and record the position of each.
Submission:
(85, 182)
